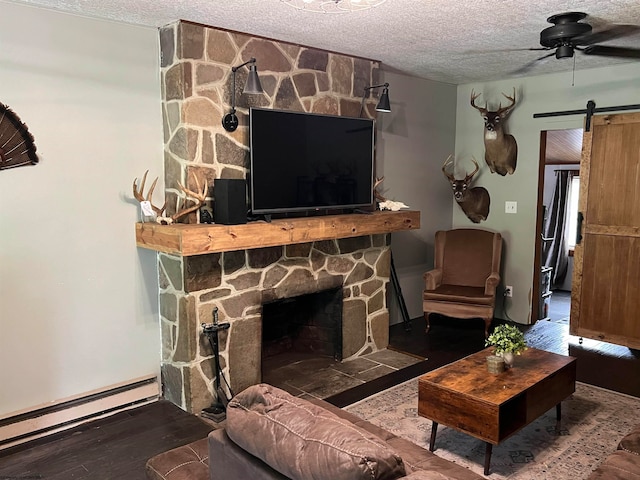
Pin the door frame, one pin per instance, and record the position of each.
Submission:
(535, 303)
(537, 256)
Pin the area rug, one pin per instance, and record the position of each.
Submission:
(593, 422)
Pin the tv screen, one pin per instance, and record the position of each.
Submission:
(309, 162)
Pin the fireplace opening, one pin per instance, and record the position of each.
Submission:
(301, 328)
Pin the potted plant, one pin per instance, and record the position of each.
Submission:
(508, 341)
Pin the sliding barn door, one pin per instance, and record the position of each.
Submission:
(605, 299)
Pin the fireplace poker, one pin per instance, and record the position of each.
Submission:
(217, 410)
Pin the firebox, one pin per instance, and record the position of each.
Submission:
(302, 327)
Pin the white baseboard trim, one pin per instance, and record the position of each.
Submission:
(23, 426)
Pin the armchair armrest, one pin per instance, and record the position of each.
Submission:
(433, 279)
(491, 283)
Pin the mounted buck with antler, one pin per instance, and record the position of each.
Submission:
(500, 148)
(474, 201)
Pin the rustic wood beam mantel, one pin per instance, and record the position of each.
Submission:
(198, 239)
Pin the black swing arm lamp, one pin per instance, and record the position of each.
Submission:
(383, 103)
(253, 86)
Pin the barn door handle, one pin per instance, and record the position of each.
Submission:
(579, 228)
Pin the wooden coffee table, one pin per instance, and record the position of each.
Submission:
(491, 407)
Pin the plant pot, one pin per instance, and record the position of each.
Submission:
(508, 359)
(495, 364)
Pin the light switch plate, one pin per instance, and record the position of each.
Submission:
(510, 207)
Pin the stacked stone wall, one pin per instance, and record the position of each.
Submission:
(196, 89)
(196, 86)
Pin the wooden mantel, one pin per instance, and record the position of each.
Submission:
(188, 239)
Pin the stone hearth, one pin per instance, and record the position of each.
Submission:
(239, 283)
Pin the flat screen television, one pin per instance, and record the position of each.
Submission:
(304, 162)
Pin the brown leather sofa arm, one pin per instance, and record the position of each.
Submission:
(433, 279)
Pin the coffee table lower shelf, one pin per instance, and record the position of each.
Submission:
(488, 445)
(491, 407)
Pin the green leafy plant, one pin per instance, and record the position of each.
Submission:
(507, 338)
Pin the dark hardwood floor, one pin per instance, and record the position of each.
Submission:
(118, 446)
(115, 447)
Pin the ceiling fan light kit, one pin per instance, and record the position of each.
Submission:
(333, 6)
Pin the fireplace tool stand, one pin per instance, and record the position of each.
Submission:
(406, 319)
(217, 410)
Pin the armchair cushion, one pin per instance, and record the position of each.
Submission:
(459, 294)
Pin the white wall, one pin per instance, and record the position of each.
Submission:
(414, 140)
(78, 299)
(619, 85)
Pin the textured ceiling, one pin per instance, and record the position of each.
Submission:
(444, 40)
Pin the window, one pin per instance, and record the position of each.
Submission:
(572, 211)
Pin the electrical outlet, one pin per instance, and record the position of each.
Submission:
(510, 207)
(508, 291)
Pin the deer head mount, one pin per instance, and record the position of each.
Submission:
(500, 148)
(475, 201)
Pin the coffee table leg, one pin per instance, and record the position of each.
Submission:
(487, 457)
(559, 418)
(432, 441)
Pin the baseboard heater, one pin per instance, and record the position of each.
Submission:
(21, 427)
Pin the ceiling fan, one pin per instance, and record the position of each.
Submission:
(568, 34)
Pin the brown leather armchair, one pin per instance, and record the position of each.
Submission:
(466, 274)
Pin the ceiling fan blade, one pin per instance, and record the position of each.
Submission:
(526, 67)
(620, 52)
(605, 34)
(469, 52)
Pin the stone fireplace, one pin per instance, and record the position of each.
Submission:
(239, 283)
(196, 87)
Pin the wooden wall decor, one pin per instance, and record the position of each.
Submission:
(17, 147)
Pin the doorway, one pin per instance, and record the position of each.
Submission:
(557, 217)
